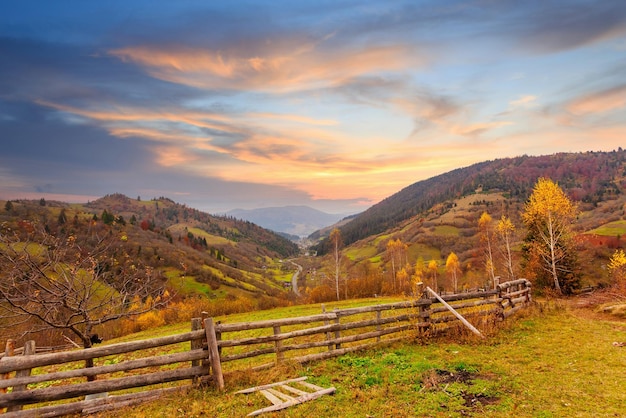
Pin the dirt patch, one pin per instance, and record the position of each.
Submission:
(440, 379)
(473, 399)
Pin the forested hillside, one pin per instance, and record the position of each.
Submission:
(588, 177)
(202, 262)
(434, 231)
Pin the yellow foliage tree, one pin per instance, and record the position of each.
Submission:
(433, 266)
(486, 233)
(396, 250)
(453, 267)
(549, 215)
(505, 230)
(617, 268)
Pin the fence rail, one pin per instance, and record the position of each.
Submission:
(200, 355)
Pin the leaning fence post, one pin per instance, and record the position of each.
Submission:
(29, 349)
(214, 355)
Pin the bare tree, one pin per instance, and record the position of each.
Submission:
(72, 284)
(336, 242)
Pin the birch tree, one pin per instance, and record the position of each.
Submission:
(453, 268)
(505, 231)
(549, 215)
(486, 237)
(336, 243)
(433, 266)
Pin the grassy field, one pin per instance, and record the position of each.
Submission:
(550, 361)
(612, 229)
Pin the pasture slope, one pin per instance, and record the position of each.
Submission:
(556, 359)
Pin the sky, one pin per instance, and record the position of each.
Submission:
(331, 104)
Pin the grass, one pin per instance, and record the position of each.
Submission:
(551, 361)
(446, 230)
(611, 229)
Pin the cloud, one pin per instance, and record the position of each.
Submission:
(277, 68)
(604, 101)
(524, 101)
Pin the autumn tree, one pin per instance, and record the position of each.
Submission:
(505, 231)
(433, 266)
(396, 251)
(548, 216)
(453, 268)
(419, 270)
(336, 243)
(617, 269)
(485, 228)
(70, 283)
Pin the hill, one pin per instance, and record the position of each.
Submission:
(435, 217)
(293, 220)
(590, 177)
(208, 255)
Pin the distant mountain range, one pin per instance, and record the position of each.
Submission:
(299, 221)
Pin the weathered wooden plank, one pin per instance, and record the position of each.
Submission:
(269, 323)
(94, 405)
(465, 296)
(322, 343)
(97, 386)
(383, 307)
(9, 364)
(471, 304)
(296, 401)
(111, 368)
(310, 386)
(293, 390)
(283, 396)
(271, 385)
(506, 285)
(458, 315)
(271, 397)
(317, 330)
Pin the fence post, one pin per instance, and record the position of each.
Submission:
(328, 334)
(337, 333)
(499, 305)
(424, 315)
(9, 351)
(214, 355)
(378, 326)
(278, 345)
(196, 325)
(29, 349)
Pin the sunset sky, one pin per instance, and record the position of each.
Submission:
(331, 104)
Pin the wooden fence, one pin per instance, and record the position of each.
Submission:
(56, 384)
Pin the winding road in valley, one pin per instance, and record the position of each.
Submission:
(294, 278)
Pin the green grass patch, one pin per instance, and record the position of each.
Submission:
(355, 253)
(612, 229)
(425, 251)
(446, 230)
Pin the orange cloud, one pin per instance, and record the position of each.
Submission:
(283, 68)
(600, 102)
